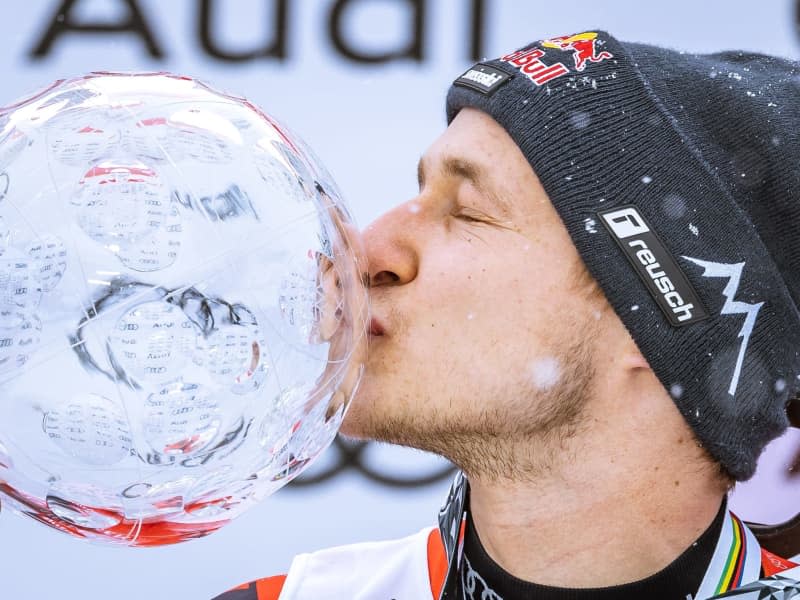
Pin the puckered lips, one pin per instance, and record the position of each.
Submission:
(376, 328)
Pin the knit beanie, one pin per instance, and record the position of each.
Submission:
(677, 177)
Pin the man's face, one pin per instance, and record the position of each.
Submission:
(482, 323)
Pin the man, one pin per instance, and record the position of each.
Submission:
(591, 309)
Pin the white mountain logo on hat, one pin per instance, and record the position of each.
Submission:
(732, 307)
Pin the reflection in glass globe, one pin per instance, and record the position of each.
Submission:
(182, 312)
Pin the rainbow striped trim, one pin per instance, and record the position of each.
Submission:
(737, 555)
(736, 561)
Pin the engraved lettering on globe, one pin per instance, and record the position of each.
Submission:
(182, 307)
(78, 143)
(181, 419)
(124, 205)
(153, 342)
(50, 256)
(113, 201)
(18, 344)
(190, 134)
(91, 429)
(20, 287)
(231, 354)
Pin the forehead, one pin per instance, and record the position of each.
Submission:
(477, 149)
(475, 136)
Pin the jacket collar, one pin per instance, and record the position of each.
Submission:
(736, 560)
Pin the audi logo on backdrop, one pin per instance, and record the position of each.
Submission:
(64, 26)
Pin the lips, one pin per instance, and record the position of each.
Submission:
(375, 328)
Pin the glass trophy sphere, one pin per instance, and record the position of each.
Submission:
(182, 313)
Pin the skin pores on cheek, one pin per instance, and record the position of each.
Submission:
(477, 351)
(483, 334)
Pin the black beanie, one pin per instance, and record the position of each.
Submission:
(677, 176)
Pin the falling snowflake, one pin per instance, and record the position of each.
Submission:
(646, 179)
(635, 307)
(590, 225)
(674, 206)
(579, 120)
(546, 372)
(693, 228)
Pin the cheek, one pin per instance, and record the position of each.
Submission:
(483, 323)
(489, 304)
(501, 293)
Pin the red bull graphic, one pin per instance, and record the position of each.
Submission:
(583, 47)
(528, 61)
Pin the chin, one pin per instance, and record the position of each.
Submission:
(368, 413)
(352, 428)
(356, 419)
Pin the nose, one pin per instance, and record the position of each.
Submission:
(392, 247)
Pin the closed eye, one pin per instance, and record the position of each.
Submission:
(471, 215)
(468, 218)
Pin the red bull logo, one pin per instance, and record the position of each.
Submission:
(530, 63)
(583, 47)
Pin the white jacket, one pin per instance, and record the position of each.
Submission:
(413, 568)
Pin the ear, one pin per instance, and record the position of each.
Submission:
(621, 349)
(628, 355)
(633, 359)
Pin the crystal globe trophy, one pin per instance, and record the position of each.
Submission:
(182, 313)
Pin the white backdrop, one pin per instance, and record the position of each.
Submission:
(369, 123)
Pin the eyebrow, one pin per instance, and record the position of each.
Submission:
(461, 168)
